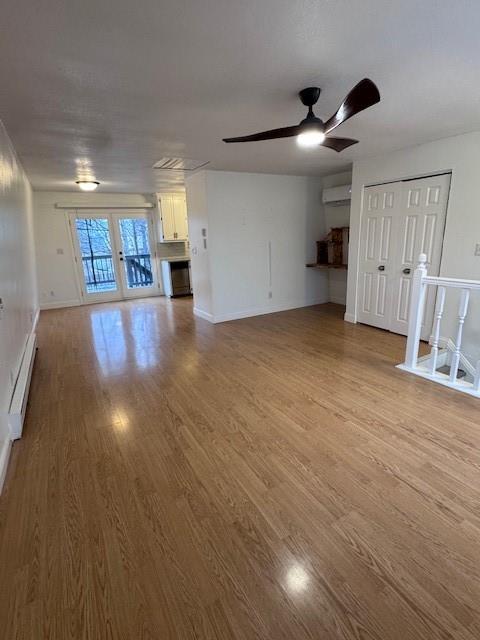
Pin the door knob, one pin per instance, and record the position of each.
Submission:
(381, 267)
(406, 271)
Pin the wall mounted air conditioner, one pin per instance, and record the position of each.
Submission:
(337, 196)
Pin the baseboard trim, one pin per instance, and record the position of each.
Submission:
(338, 300)
(203, 314)
(5, 449)
(349, 317)
(261, 311)
(59, 305)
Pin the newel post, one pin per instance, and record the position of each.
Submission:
(417, 302)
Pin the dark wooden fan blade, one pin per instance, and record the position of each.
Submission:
(363, 95)
(285, 132)
(338, 144)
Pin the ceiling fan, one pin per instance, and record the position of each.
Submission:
(312, 131)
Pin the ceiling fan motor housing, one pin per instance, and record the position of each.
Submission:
(309, 96)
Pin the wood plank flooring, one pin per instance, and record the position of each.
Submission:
(271, 478)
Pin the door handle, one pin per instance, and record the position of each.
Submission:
(381, 267)
(406, 271)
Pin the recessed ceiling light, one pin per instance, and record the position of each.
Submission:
(87, 185)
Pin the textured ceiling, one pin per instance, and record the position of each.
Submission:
(110, 87)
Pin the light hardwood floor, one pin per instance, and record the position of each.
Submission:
(271, 478)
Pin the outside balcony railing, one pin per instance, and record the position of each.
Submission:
(99, 272)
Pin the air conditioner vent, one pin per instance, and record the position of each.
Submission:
(179, 164)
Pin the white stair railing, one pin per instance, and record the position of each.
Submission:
(427, 366)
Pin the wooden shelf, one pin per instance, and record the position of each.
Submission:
(315, 265)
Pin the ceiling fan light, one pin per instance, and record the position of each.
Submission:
(310, 138)
(87, 185)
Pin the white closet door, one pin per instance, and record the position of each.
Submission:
(420, 230)
(377, 253)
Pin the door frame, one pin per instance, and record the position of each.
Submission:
(379, 183)
(86, 298)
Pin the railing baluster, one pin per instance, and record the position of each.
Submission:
(462, 312)
(436, 329)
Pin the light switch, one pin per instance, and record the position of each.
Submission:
(477, 249)
(60, 252)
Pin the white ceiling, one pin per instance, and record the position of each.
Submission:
(115, 85)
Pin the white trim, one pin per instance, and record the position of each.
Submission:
(452, 282)
(59, 305)
(203, 314)
(458, 385)
(70, 207)
(261, 311)
(350, 317)
(5, 449)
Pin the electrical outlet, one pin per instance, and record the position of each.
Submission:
(477, 249)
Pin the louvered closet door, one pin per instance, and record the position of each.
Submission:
(422, 221)
(377, 253)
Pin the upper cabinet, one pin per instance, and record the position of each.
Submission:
(172, 211)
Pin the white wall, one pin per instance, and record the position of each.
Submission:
(461, 156)
(200, 246)
(337, 216)
(17, 279)
(57, 284)
(247, 217)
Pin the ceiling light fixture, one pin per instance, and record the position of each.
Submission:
(87, 185)
(310, 138)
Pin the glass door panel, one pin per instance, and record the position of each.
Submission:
(138, 268)
(96, 256)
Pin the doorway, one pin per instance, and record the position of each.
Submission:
(113, 253)
(400, 221)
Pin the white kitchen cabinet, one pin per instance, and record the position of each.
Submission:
(172, 211)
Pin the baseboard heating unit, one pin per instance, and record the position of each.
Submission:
(18, 406)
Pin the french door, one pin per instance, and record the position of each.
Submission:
(114, 255)
(400, 221)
